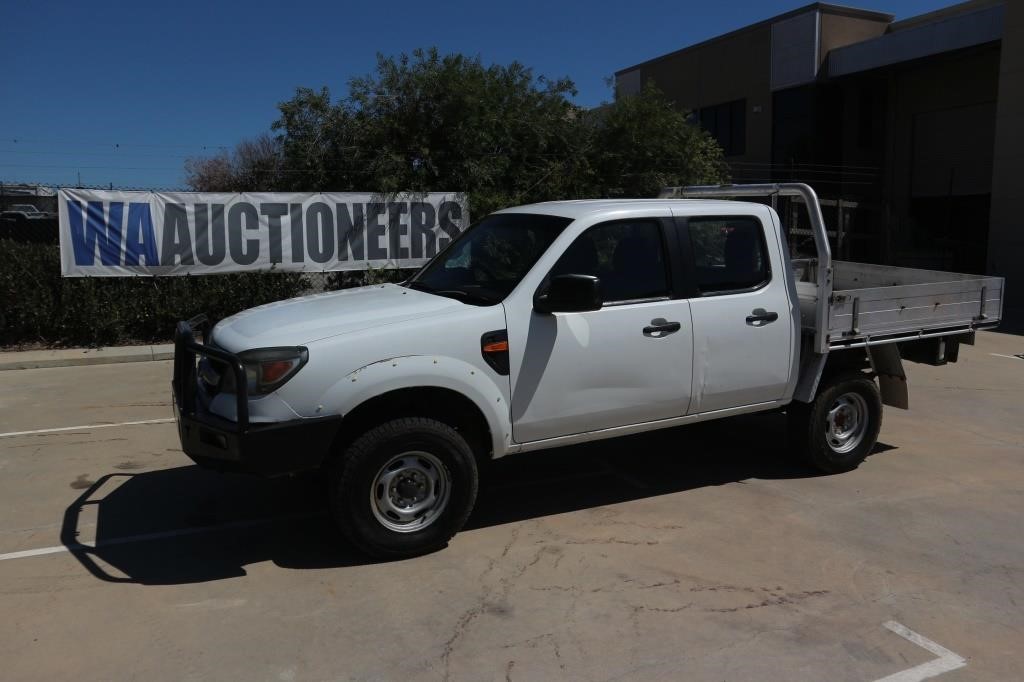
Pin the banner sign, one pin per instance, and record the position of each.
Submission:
(116, 234)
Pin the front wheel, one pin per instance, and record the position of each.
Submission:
(403, 488)
(837, 431)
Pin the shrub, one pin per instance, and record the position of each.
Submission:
(40, 306)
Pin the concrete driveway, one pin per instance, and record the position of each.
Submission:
(694, 554)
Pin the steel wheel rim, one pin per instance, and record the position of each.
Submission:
(846, 422)
(410, 491)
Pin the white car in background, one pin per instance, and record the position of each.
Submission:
(25, 212)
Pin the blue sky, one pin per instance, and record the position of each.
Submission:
(123, 92)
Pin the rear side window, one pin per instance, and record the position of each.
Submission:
(627, 256)
(728, 253)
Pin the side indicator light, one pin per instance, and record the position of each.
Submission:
(496, 347)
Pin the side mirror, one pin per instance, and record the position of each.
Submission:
(569, 294)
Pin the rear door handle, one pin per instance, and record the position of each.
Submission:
(661, 327)
(760, 317)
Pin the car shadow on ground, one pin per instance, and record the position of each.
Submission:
(187, 524)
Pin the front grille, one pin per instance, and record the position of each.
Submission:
(214, 375)
(223, 367)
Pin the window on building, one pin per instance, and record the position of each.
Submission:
(727, 123)
(728, 254)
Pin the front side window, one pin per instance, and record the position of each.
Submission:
(486, 262)
(627, 257)
(729, 253)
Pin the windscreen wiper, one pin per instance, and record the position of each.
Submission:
(467, 296)
(462, 295)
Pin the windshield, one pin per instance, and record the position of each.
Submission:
(486, 262)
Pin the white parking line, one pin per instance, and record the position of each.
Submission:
(33, 552)
(1000, 355)
(10, 434)
(56, 549)
(945, 662)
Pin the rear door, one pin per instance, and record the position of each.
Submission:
(743, 335)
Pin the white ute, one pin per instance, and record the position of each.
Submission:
(559, 323)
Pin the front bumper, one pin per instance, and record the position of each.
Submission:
(214, 442)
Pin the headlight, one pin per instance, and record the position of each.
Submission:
(267, 369)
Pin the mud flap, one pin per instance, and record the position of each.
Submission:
(892, 380)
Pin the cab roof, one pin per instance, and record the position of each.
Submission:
(579, 208)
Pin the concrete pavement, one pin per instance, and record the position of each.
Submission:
(700, 553)
(76, 357)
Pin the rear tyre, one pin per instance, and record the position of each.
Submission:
(403, 488)
(840, 428)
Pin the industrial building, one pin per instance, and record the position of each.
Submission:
(912, 131)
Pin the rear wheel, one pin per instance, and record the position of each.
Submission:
(403, 488)
(840, 428)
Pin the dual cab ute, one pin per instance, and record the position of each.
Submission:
(561, 323)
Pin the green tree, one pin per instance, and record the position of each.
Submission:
(320, 144)
(642, 143)
(255, 165)
(427, 122)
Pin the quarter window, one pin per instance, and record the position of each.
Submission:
(628, 258)
(729, 254)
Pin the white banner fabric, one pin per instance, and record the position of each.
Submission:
(120, 233)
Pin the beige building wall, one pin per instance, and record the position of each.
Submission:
(717, 72)
(839, 31)
(1006, 230)
(738, 65)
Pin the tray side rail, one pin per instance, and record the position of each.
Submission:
(914, 308)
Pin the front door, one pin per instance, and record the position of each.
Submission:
(624, 364)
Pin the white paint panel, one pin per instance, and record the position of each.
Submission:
(736, 363)
(597, 370)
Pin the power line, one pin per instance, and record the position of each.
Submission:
(85, 167)
(115, 145)
(54, 152)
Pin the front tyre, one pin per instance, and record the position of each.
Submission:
(837, 431)
(403, 488)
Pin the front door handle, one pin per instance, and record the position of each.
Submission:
(759, 317)
(660, 327)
